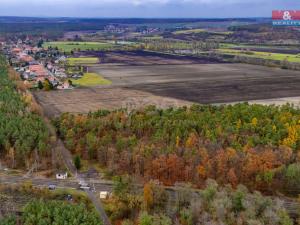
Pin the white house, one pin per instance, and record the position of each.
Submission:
(62, 176)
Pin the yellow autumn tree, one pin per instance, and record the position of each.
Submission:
(202, 172)
(292, 137)
(148, 195)
(254, 122)
(191, 141)
(177, 141)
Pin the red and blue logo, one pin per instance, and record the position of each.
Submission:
(286, 17)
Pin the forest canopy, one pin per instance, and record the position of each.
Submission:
(52, 212)
(251, 144)
(23, 134)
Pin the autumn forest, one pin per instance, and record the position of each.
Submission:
(254, 145)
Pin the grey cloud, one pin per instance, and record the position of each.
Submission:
(145, 8)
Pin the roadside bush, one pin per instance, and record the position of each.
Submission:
(56, 212)
(9, 220)
(292, 176)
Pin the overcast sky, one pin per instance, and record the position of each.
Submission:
(144, 8)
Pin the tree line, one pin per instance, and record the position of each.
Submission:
(52, 212)
(24, 138)
(173, 45)
(212, 205)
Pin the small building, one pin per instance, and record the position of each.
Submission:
(104, 194)
(61, 175)
(66, 85)
(26, 58)
(38, 70)
(61, 59)
(16, 51)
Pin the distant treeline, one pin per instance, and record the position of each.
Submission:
(119, 20)
(57, 26)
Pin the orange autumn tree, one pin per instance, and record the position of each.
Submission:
(167, 169)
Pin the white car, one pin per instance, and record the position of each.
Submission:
(85, 187)
(82, 183)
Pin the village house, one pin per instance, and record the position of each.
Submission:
(61, 175)
(64, 86)
(26, 58)
(61, 59)
(35, 64)
(16, 51)
(38, 71)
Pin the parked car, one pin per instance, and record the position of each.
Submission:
(85, 187)
(51, 186)
(69, 197)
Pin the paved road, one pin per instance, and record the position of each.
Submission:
(68, 159)
(290, 205)
(44, 182)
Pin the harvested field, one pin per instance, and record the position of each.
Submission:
(206, 83)
(139, 80)
(136, 58)
(84, 100)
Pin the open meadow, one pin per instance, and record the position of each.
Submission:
(294, 58)
(91, 79)
(82, 60)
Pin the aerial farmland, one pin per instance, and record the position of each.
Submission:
(149, 121)
(146, 77)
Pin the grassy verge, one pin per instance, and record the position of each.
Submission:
(156, 37)
(197, 31)
(263, 55)
(91, 79)
(245, 45)
(192, 31)
(25, 192)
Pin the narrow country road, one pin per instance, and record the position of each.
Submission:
(68, 159)
(292, 206)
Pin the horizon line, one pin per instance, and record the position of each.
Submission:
(183, 18)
